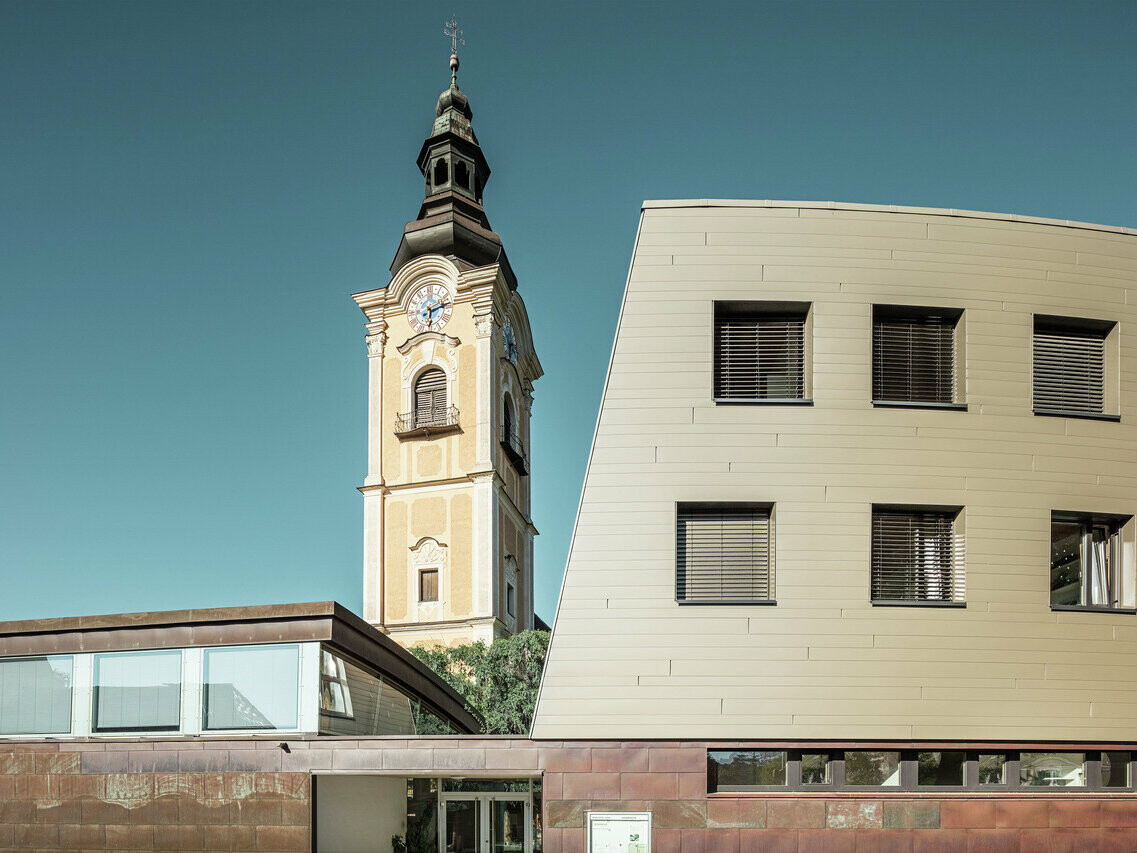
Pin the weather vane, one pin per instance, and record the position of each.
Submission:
(451, 29)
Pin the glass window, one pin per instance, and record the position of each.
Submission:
(252, 687)
(729, 770)
(815, 768)
(759, 351)
(137, 691)
(916, 555)
(722, 553)
(992, 768)
(1085, 560)
(35, 695)
(1070, 365)
(879, 769)
(1115, 769)
(1053, 769)
(913, 354)
(353, 701)
(940, 768)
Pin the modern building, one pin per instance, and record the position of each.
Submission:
(448, 532)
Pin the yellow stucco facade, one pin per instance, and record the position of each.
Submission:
(448, 536)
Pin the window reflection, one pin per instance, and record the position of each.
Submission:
(1053, 769)
(252, 687)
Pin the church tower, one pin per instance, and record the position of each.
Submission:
(448, 536)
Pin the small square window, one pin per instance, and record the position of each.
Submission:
(1115, 769)
(428, 585)
(815, 768)
(992, 768)
(913, 355)
(917, 556)
(760, 351)
(940, 768)
(1070, 366)
(723, 553)
(1086, 561)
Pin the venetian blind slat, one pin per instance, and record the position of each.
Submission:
(1069, 370)
(914, 360)
(723, 554)
(916, 556)
(760, 356)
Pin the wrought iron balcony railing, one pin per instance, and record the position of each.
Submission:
(426, 422)
(511, 444)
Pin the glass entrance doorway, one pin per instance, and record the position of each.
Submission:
(485, 823)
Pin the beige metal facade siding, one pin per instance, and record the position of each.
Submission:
(627, 661)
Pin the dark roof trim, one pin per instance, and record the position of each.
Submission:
(319, 621)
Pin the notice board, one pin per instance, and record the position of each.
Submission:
(619, 832)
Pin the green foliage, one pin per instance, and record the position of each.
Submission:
(499, 682)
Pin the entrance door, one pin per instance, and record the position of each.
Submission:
(486, 823)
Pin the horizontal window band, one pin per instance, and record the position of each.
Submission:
(893, 602)
(732, 602)
(763, 401)
(917, 404)
(1066, 413)
(1094, 608)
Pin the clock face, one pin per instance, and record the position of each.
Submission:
(430, 308)
(510, 340)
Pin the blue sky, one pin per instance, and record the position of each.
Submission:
(189, 192)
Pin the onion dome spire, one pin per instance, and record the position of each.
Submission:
(451, 220)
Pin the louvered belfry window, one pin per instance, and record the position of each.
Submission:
(1069, 365)
(913, 355)
(916, 555)
(723, 553)
(430, 398)
(759, 351)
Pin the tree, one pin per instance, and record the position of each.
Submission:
(498, 682)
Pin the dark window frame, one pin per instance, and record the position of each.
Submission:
(1047, 402)
(710, 508)
(793, 317)
(1089, 522)
(889, 323)
(878, 557)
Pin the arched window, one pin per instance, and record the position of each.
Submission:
(461, 175)
(430, 398)
(506, 420)
(441, 175)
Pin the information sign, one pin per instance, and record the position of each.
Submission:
(619, 832)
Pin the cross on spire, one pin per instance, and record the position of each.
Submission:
(451, 29)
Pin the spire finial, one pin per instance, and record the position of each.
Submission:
(451, 29)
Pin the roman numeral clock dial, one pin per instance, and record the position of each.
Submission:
(430, 308)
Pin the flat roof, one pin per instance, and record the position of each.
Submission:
(883, 208)
(314, 621)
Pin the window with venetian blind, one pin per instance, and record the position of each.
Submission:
(917, 556)
(430, 398)
(1070, 365)
(760, 351)
(724, 554)
(914, 355)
